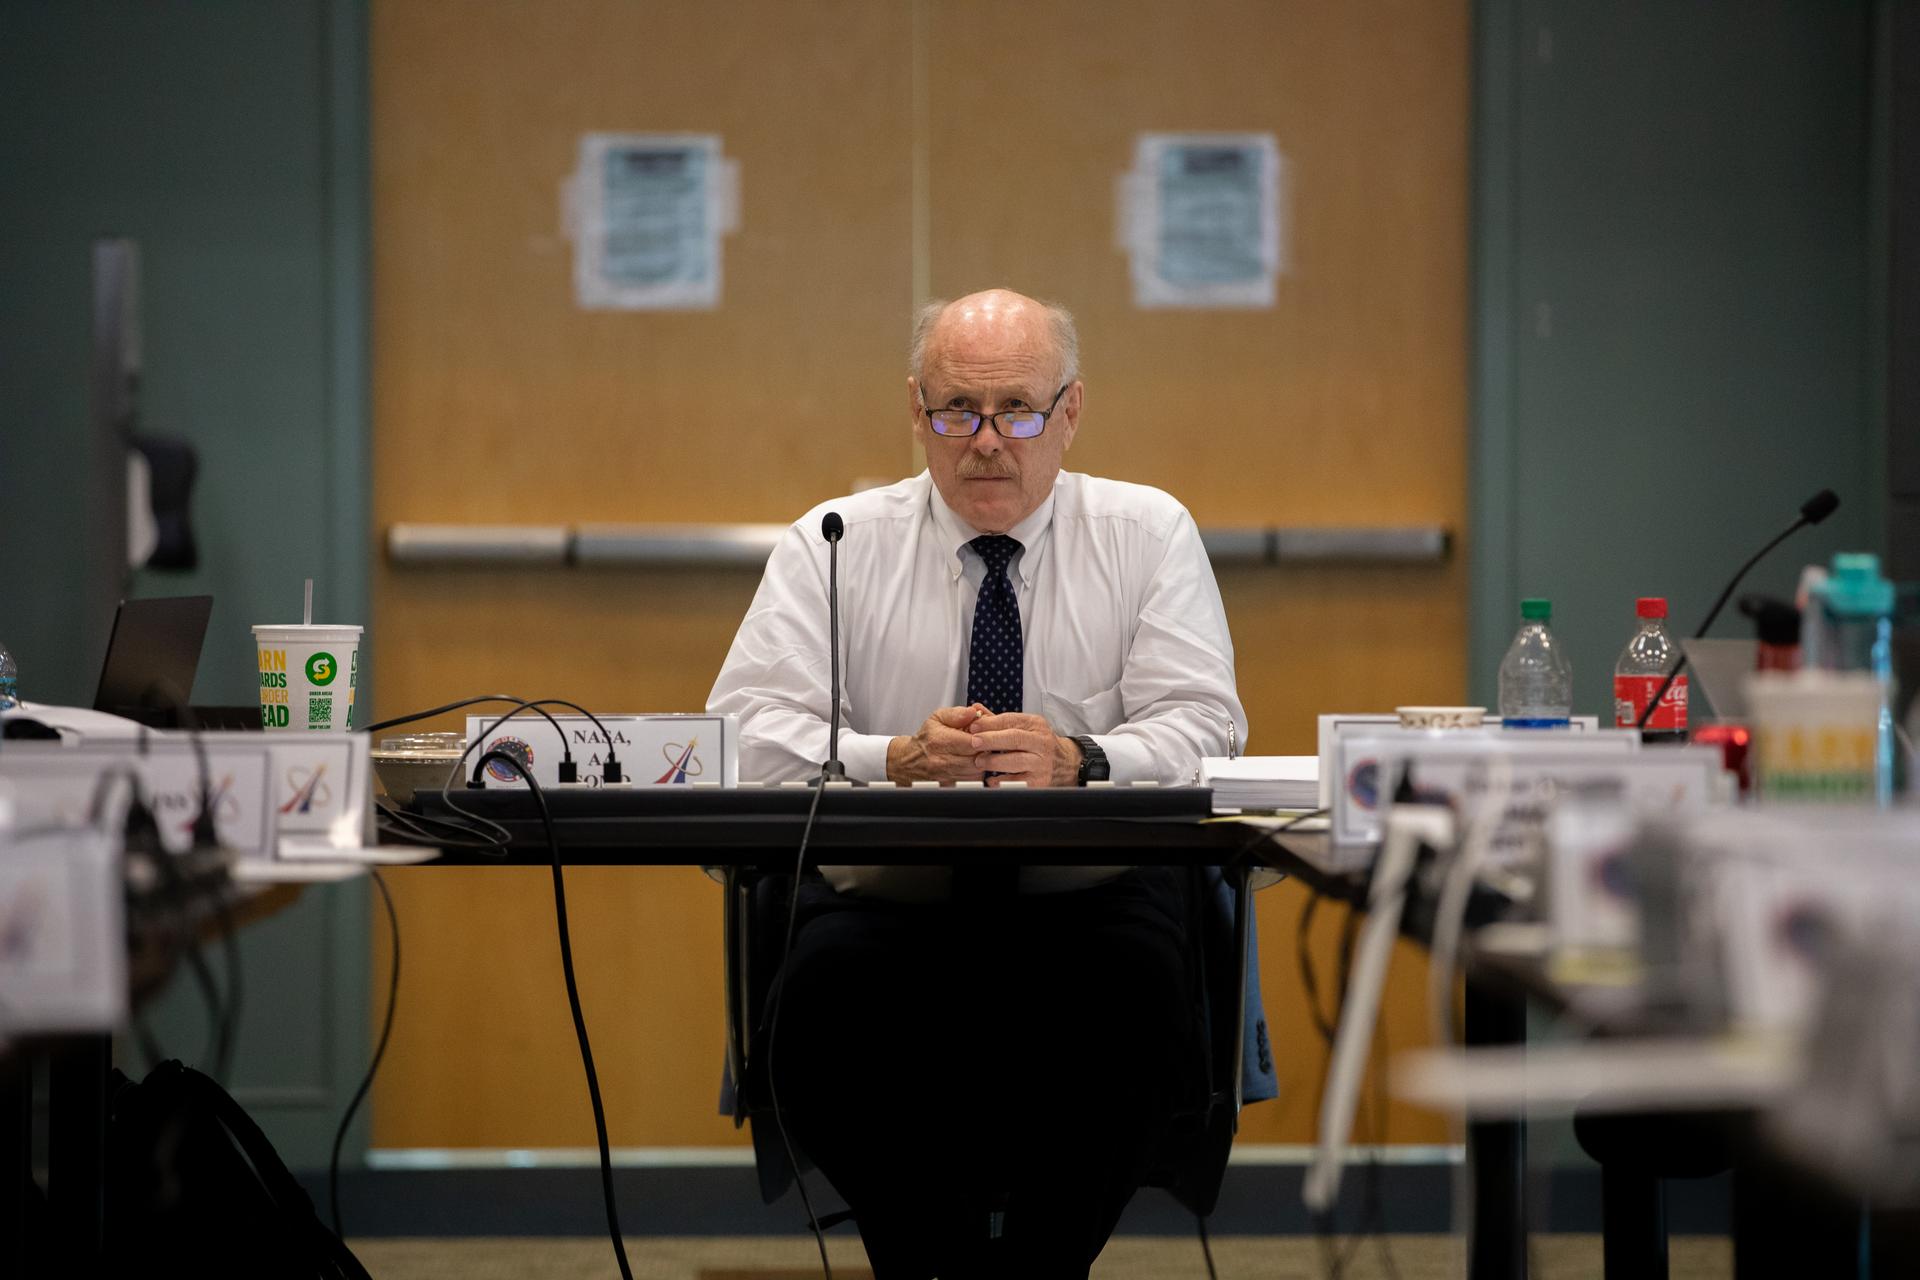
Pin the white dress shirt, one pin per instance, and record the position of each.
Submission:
(1123, 631)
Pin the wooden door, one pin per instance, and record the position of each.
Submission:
(887, 151)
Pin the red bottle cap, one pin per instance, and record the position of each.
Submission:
(1651, 606)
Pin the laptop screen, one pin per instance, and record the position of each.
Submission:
(153, 654)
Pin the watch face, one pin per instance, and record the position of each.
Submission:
(1093, 761)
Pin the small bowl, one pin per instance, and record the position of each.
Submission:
(1441, 717)
(416, 762)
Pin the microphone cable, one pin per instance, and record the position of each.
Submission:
(610, 771)
(573, 998)
(218, 887)
(373, 1067)
(158, 911)
(466, 833)
(206, 879)
(773, 1028)
(1206, 1246)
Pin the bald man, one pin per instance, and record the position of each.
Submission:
(981, 1063)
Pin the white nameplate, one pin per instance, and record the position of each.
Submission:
(1593, 898)
(1784, 890)
(1668, 780)
(653, 750)
(1335, 726)
(56, 786)
(1366, 765)
(320, 789)
(63, 934)
(1782, 922)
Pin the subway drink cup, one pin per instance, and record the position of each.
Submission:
(308, 676)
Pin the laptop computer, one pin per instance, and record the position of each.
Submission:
(153, 655)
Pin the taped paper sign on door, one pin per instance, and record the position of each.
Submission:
(1200, 217)
(646, 213)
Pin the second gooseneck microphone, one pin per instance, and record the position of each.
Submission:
(833, 528)
(1812, 511)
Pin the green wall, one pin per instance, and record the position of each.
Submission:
(229, 140)
(1676, 274)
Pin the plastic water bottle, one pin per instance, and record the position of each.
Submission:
(1642, 669)
(1536, 680)
(9, 680)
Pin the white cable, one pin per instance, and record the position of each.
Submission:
(1407, 827)
(1449, 923)
(1456, 891)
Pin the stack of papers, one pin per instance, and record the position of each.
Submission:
(1262, 782)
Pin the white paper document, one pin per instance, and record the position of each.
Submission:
(1262, 782)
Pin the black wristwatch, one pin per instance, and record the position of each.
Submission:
(1093, 761)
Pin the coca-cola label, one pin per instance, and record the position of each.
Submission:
(1630, 697)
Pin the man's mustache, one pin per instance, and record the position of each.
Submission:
(985, 469)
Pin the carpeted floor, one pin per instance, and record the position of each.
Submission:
(1129, 1258)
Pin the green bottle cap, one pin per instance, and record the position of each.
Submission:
(1534, 609)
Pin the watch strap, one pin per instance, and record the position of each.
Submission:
(1093, 760)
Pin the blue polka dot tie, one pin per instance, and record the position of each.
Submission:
(995, 680)
(994, 663)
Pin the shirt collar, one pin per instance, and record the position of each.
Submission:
(1031, 533)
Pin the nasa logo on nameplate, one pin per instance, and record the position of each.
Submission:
(654, 750)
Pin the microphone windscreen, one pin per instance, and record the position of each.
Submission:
(1819, 506)
(831, 526)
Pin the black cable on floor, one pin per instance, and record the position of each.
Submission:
(1206, 1246)
(373, 1067)
(573, 1004)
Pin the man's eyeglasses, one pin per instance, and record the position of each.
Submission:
(1012, 424)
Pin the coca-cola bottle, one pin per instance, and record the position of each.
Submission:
(1642, 668)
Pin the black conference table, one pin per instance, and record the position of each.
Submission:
(761, 826)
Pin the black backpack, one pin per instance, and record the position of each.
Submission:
(194, 1188)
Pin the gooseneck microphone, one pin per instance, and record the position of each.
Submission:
(833, 528)
(1812, 511)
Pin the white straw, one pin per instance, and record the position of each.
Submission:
(306, 615)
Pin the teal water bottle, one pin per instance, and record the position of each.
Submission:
(1857, 608)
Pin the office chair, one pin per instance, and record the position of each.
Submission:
(1636, 1154)
(1191, 1163)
